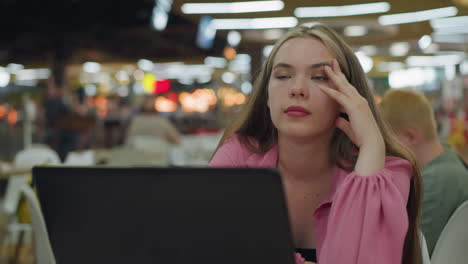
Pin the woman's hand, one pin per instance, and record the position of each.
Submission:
(361, 128)
(301, 260)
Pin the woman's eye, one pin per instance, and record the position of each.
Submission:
(282, 77)
(320, 78)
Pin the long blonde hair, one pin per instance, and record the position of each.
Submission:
(255, 122)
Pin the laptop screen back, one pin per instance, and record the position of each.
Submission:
(165, 215)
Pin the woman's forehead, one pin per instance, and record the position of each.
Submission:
(301, 50)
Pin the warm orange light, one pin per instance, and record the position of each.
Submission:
(377, 99)
(239, 99)
(101, 105)
(229, 53)
(230, 96)
(2, 111)
(198, 101)
(162, 104)
(12, 117)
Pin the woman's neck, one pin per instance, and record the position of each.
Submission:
(304, 160)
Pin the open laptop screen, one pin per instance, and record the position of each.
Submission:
(165, 215)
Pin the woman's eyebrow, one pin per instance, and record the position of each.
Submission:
(320, 65)
(282, 65)
(313, 66)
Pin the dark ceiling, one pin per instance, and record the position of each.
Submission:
(39, 32)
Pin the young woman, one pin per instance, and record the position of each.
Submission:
(352, 190)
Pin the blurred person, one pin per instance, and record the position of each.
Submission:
(445, 177)
(148, 122)
(352, 190)
(56, 111)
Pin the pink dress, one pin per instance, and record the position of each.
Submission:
(363, 220)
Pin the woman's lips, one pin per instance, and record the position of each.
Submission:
(296, 111)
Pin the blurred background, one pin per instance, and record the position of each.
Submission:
(154, 82)
(75, 74)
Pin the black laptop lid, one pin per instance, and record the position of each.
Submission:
(165, 215)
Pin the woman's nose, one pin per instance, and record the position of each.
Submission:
(298, 89)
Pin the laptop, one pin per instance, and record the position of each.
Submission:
(165, 215)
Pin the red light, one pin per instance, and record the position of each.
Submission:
(162, 86)
(173, 96)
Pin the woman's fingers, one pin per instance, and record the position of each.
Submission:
(338, 96)
(339, 79)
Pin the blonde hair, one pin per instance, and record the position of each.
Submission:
(405, 108)
(255, 123)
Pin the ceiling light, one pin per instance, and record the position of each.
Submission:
(366, 62)
(458, 29)
(254, 23)
(91, 67)
(246, 87)
(399, 49)
(389, 66)
(355, 31)
(272, 34)
(411, 77)
(215, 62)
(449, 22)
(433, 61)
(418, 16)
(433, 48)
(234, 38)
(230, 8)
(424, 42)
(228, 77)
(145, 65)
(441, 38)
(33, 74)
(14, 68)
(267, 50)
(4, 78)
(369, 50)
(346, 10)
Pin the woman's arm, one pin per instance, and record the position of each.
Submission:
(361, 128)
(368, 220)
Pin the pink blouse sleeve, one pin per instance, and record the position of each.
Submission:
(368, 219)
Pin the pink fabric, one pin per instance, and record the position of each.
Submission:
(363, 220)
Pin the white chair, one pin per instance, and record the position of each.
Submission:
(42, 247)
(82, 158)
(24, 159)
(452, 245)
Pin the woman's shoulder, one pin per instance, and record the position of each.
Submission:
(231, 153)
(234, 152)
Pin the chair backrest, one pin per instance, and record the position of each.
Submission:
(82, 158)
(424, 251)
(43, 249)
(31, 157)
(452, 245)
(26, 159)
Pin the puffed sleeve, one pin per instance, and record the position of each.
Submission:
(368, 220)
